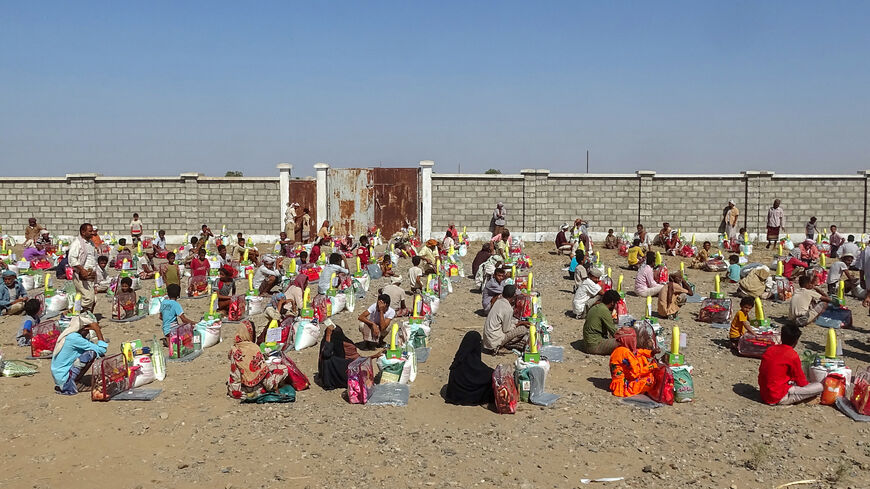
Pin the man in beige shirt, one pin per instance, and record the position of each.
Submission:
(501, 331)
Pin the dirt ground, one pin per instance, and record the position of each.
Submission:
(193, 435)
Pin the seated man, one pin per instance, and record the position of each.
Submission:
(781, 378)
(839, 270)
(266, 277)
(809, 252)
(704, 254)
(672, 296)
(663, 236)
(31, 232)
(334, 266)
(563, 245)
(73, 353)
(429, 254)
(375, 322)
(397, 296)
(807, 302)
(635, 255)
(492, 289)
(12, 294)
(588, 293)
(501, 331)
(599, 331)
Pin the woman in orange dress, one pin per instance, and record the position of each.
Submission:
(631, 369)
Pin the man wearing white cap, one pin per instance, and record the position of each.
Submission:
(588, 293)
(266, 275)
(729, 220)
(563, 245)
(499, 219)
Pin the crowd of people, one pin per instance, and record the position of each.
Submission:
(86, 260)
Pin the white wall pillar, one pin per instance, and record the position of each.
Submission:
(284, 170)
(426, 197)
(322, 208)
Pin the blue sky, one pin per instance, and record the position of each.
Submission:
(159, 88)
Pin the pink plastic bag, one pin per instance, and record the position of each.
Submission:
(360, 379)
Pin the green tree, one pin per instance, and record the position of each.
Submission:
(234, 173)
(492, 171)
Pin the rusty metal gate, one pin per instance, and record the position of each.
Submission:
(396, 197)
(362, 197)
(305, 193)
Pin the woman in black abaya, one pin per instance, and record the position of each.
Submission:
(470, 380)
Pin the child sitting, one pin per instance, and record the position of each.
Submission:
(125, 300)
(703, 255)
(31, 319)
(303, 261)
(387, 266)
(635, 255)
(781, 378)
(171, 312)
(740, 323)
(103, 280)
(733, 273)
(414, 274)
(226, 288)
(610, 241)
(807, 302)
(170, 272)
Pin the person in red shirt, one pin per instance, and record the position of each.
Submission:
(362, 251)
(781, 378)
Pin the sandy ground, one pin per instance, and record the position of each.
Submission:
(193, 435)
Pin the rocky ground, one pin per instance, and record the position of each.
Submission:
(193, 435)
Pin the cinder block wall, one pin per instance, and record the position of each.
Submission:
(538, 201)
(176, 204)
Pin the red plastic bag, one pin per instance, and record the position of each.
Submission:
(523, 307)
(313, 273)
(620, 310)
(44, 339)
(297, 378)
(109, 377)
(236, 309)
(623, 249)
(687, 251)
(505, 389)
(661, 274)
(663, 388)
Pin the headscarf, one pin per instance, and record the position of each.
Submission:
(246, 356)
(432, 242)
(301, 281)
(470, 380)
(627, 336)
(754, 283)
(75, 325)
(275, 299)
(332, 362)
(9, 273)
(269, 259)
(314, 254)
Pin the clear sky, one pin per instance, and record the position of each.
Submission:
(159, 88)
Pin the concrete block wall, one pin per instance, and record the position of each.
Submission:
(538, 201)
(605, 201)
(178, 205)
(691, 202)
(468, 200)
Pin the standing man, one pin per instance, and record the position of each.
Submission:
(775, 223)
(83, 261)
(290, 219)
(729, 220)
(31, 232)
(499, 216)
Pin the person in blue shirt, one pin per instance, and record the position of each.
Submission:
(734, 268)
(171, 312)
(73, 353)
(12, 294)
(31, 319)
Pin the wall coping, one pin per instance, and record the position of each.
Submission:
(476, 176)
